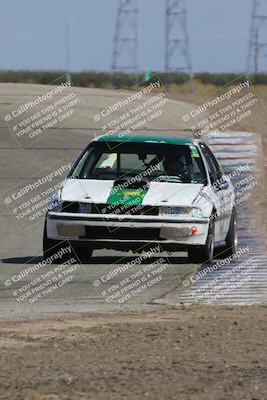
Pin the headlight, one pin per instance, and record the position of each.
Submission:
(192, 212)
(196, 213)
(54, 201)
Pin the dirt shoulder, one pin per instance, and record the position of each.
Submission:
(186, 353)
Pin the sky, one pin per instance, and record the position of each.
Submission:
(33, 34)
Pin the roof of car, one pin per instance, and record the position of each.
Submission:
(146, 139)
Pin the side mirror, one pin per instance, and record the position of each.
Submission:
(142, 157)
(223, 185)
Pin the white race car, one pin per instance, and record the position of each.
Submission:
(127, 193)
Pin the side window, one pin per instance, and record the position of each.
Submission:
(215, 172)
(196, 167)
(217, 167)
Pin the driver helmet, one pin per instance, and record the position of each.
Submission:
(173, 165)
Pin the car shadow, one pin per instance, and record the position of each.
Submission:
(127, 259)
(22, 260)
(98, 260)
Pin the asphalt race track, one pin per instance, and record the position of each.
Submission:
(21, 246)
(18, 164)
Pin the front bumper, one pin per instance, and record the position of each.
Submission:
(109, 231)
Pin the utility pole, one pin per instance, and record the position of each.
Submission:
(68, 34)
(177, 52)
(257, 48)
(125, 46)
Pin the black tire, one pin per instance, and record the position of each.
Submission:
(204, 253)
(50, 246)
(83, 253)
(231, 239)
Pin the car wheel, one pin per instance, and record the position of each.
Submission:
(50, 246)
(204, 253)
(83, 253)
(231, 239)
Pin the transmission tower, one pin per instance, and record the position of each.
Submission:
(125, 48)
(257, 40)
(177, 53)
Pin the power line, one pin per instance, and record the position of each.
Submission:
(125, 46)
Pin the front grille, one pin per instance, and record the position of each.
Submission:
(115, 209)
(99, 232)
(124, 209)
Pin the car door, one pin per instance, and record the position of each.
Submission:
(216, 196)
(225, 191)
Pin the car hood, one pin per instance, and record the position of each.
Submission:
(157, 194)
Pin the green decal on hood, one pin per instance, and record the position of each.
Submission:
(127, 196)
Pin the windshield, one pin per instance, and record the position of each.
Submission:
(145, 161)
